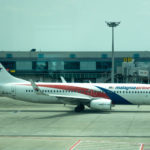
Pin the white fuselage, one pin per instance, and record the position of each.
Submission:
(137, 94)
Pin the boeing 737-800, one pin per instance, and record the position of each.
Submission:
(99, 96)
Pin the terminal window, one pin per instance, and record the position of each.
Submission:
(72, 65)
(9, 64)
(40, 55)
(40, 65)
(72, 55)
(103, 65)
(136, 55)
(104, 56)
(9, 55)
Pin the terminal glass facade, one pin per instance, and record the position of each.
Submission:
(40, 65)
(104, 66)
(75, 65)
(9, 64)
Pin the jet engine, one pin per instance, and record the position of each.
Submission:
(101, 104)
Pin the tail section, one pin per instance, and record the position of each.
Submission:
(6, 77)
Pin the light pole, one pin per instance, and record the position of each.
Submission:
(112, 25)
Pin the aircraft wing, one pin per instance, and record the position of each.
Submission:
(63, 98)
(72, 99)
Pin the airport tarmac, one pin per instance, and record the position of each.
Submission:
(28, 126)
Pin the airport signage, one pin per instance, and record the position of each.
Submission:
(143, 73)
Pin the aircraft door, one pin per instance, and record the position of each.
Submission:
(13, 91)
(146, 101)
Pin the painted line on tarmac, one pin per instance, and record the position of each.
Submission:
(142, 147)
(77, 143)
(78, 136)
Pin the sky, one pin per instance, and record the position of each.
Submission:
(74, 25)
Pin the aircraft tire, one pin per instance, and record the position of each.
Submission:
(79, 108)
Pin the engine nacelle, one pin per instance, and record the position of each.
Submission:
(101, 104)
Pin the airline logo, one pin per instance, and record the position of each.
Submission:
(125, 87)
(131, 88)
(1, 69)
(111, 87)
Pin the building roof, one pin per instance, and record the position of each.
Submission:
(72, 54)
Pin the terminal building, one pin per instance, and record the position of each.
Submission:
(78, 66)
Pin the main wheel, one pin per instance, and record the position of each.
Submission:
(79, 108)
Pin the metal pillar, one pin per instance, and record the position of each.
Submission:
(112, 25)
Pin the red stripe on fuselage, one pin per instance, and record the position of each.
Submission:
(81, 90)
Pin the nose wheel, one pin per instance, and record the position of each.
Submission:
(79, 108)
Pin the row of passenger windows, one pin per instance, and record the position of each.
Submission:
(64, 91)
(132, 92)
(94, 92)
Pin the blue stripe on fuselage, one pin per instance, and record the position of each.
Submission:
(116, 99)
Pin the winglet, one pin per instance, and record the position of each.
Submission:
(90, 81)
(36, 88)
(63, 79)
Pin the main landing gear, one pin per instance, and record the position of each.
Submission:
(79, 108)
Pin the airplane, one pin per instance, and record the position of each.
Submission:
(98, 96)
